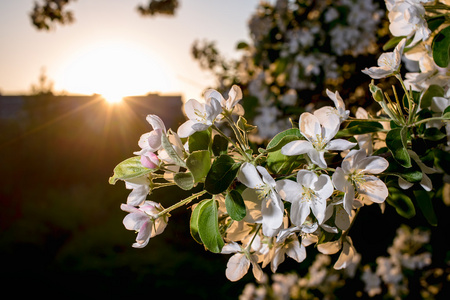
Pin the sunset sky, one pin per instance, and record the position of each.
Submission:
(113, 51)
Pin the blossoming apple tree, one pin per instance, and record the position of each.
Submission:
(307, 185)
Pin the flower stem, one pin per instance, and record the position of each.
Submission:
(181, 203)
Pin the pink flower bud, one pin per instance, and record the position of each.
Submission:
(150, 160)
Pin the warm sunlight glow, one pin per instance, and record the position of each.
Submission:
(116, 70)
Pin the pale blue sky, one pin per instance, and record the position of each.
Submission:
(111, 45)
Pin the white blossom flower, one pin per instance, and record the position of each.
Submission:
(261, 192)
(289, 246)
(201, 115)
(309, 193)
(230, 104)
(239, 263)
(150, 160)
(353, 173)
(151, 141)
(319, 132)
(140, 187)
(407, 18)
(388, 63)
(144, 219)
(339, 108)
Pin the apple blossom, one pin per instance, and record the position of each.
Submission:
(309, 193)
(388, 63)
(407, 18)
(201, 115)
(239, 263)
(339, 108)
(230, 104)
(151, 141)
(319, 132)
(145, 220)
(261, 191)
(354, 174)
(140, 189)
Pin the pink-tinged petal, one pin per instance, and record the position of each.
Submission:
(150, 160)
(193, 108)
(340, 145)
(289, 190)
(129, 208)
(186, 129)
(310, 126)
(249, 176)
(134, 221)
(373, 189)
(154, 140)
(156, 122)
(346, 256)
(144, 232)
(296, 148)
(237, 267)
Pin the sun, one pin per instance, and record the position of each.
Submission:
(116, 70)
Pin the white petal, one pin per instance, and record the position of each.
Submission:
(249, 176)
(377, 72)
(299, 212)
(330, 127)
(229, 248)
(373, 189)
(296, 251)
(156, 122)
(237, 267)
(404, 184)
(340, 145)
(373, 164)
(329, 248)
(193, 108)
(323, 186)
(289, 190)
(310, 126)
(317, 158)
(296, 148)
(186, 129)
(346, 256)
(272, 211)
(426, 183)
(266, 176)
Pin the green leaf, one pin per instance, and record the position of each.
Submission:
(219, 145)
(401, 202)
(426, 206)
(199, 140)
(359, 127)
(434, 23)
(392, 42)
(278, 163)
(235, 205)
(128, 169)
(283, 138)
(434, 134)
(442, 159)
(396, 142)
(413, 174)
(184, 180)
(199, 163)
(432, 91)
(441, 47)
(208, 226)
(221, 174)
(194, 221)
(171, 151)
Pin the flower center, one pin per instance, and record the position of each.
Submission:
(357, 179)
(308, 194)
(201, 116)
(319, 142)
(263, 191)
